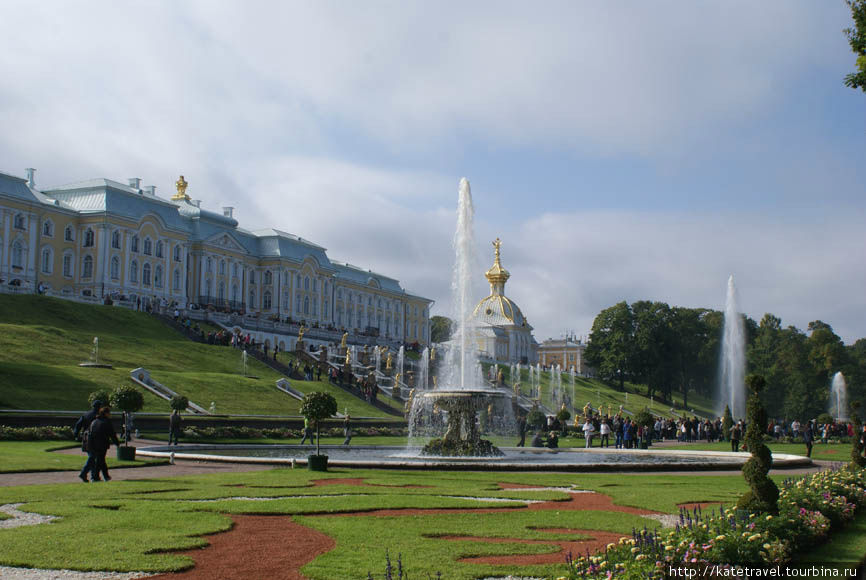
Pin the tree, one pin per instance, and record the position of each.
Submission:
(129, 400)
(727, 423)
(101, 396)
(857, 40)
(317, 406)
(440, 329)
(179, 403)
(763, 495)
(611, 343)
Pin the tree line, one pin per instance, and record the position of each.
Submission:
(672, 349)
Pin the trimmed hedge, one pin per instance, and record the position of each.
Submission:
(35, 433)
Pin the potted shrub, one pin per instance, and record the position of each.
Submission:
(178, 403)
(129, 400)
(316, 407)
(563, 417)
(644, 419)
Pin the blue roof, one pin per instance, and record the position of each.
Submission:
(17, 188)
(357, 275)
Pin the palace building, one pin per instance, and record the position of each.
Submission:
(566, 352)
(503, 333)
(101, 238)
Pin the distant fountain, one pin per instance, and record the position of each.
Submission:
(538, 381)
(400, 358)
(572, 373)
(732, 388)
(422, 381)
(553, 391)
(839, 397)
(244, 356)
(93, 362)
(461, 393)
(378, 358)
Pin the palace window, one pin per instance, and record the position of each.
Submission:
(306, 305)
(252, 298)
(298, 280)
(235, 270)
(222, 267)
(115, 268)
(285, 300)
(48, 229)
(235, 293)
(268, 277)
(47, 260)
(145, 274)
(67, 265)
(159, 249)
(298, 303)
(133, 272)
(307, 283)
(266, 301)
(69, 234)
(315, 307)
(315, 285)
(157, 276)
(148, 247)
(87, 267)
(339, 293)
(19, 221)
(115, 240)
(209, 267)
(133, 246)
(252, 276)
(176, 280)
(221, 291)
(88, 238)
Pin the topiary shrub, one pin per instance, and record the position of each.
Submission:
(129, 400)
(857, 459)
(317, 406)
(643, 418)
(727, 423)
(101, 396)
(535, 418)
(763, 495)
(179, 403)
(825, 419)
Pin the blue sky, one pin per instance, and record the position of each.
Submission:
(622, 151)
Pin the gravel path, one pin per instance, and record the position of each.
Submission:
(37, 574)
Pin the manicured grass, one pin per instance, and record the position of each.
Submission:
(23, 456)
(42, 341)
(840, 452)
(847, 548)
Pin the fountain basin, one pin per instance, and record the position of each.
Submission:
(513, 459)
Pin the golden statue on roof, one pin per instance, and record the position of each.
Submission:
(181, 185)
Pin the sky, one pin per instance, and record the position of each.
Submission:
(621, 151)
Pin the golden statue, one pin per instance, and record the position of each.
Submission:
(499, 377)
(348, 357)
(516, 389)
(345, 338)
(434, 381)
(586, 409)
(388, 362)
(433, 353)
(409, 401)
(301, 332)
(397, 379)
(181, 185)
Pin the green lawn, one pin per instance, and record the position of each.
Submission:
(826, 452)
(24, 456)
(42, 341)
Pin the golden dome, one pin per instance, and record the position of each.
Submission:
(496, 309)
(497, 274)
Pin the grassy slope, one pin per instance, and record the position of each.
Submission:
(23, 456)
(42, 340)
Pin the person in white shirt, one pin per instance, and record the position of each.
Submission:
(587, 433)
(605, 433)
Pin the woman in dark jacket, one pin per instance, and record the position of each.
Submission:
(99, 440)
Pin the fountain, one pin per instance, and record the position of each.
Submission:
(460, 394)
(94, 357)
(422, 381)
(732, 386)
(572, 373)
(839, 397)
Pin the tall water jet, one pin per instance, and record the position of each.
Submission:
(423, 370)
(839, 397)
(732, 386)
(572, 373)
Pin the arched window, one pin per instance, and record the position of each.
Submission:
(315, 285)
(176, 280)
(133, 272)
(48, 229)
(222, 267)
(157, 276)
(69, 234)
(221, 291)
(298, 303)
(67, 265)
(87, 267)
(207, 288)
(339, 293)
(235, 270)
(133, 246)
(47, 260)
(145, 274)
(285, 300)
(298, 280)
(159, 249)
(148, 247)
(235, 293)
(266, 301)
(326, 311)
(315, 307)
(252, 298)
(209, 267)
(177, 253)
(339, 314)
(115, 268)
(115, 240)
(268, 277)
(307, 283)
(18, 222)
(88, 238)
(326, 288)
(306, 305)
(252, 276)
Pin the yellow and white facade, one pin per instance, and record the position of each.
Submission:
(101, 238)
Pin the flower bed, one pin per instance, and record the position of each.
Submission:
(252, 433)
(809, 508)
(35, 433)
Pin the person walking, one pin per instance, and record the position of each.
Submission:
(174, 422)
(82, 429)
(521, 430)
(308, 431)
(605, 433)
(736, 433)
(587, 432)
(100, 437)
(617, 431)
(347, 429)
(809, 438)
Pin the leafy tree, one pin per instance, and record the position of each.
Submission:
(727, 423)
(317, 406)
(102, 396)
(440, 328)
(857, 40)
(179, 403)
(535, 418)
(763, 495)
(654, 342)
(611, 343)
(857, 459)
(129, 400)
